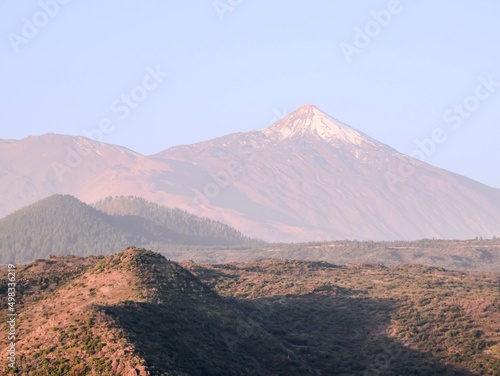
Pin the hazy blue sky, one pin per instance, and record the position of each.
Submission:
(235, 65)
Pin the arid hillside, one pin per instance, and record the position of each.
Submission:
(138, 313)
(472, 255)
(404, 320)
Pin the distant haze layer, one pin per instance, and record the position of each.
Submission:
(307, 177)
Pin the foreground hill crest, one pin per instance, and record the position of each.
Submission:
(137, 313)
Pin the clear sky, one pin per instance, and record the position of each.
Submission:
(398, 71)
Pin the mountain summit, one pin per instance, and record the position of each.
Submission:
(307, 177)
(310, 120)
(310, 177)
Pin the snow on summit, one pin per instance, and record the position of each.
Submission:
(309, 120)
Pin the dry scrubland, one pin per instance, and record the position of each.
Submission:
(135, 311)
(472, 255)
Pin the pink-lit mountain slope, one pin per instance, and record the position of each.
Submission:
(306, 177)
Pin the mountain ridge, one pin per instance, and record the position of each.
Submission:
(314, 184)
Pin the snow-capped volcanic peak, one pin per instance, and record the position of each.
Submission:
(309, 120)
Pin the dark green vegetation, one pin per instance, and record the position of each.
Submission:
(62, 225)
(137, 312)
(188, 228)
